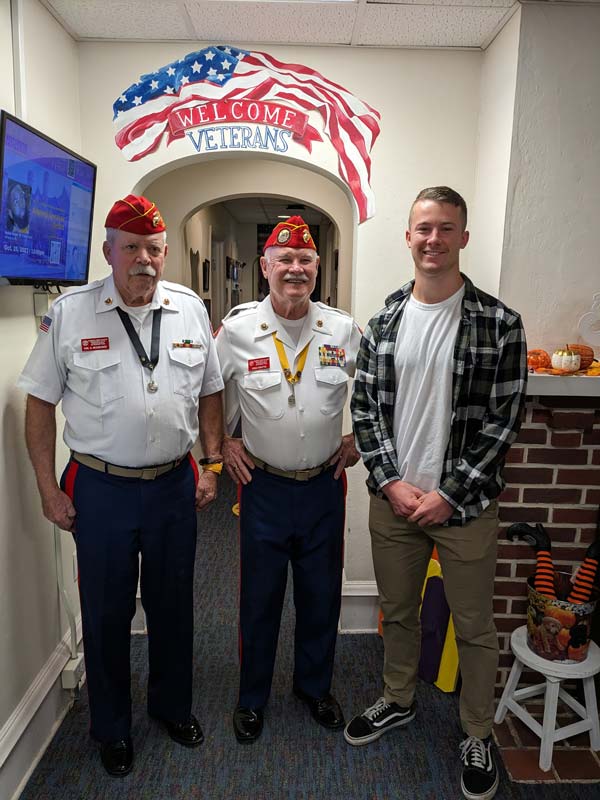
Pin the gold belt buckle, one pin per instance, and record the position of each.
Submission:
(149, 473)
(302, 474)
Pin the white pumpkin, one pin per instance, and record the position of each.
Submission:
(566, 359)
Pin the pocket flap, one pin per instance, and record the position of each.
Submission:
(332, 375)
(262, 380)
(187, 356)
(97, 359)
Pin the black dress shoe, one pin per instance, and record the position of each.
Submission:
(189, 733)
(247, 724)
(325, 710)
(117, 757)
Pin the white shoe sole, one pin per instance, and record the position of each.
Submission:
(376, 734)
(487, 796)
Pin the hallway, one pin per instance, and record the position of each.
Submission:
(294, 759)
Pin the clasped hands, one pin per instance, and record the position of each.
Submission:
(423, 508)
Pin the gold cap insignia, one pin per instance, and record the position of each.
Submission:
(156, 219)
(283, 236)
(166, 302)
(306, 236)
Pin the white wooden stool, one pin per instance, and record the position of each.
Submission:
(554, 672)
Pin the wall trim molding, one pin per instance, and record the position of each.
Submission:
(17, 723)
(360, 606)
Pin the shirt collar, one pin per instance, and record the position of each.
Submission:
(110, 298)
(267, 323)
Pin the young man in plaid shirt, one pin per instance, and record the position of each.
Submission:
(438, 393)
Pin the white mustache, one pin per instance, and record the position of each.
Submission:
(142, 269)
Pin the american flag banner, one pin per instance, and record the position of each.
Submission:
(149, 108)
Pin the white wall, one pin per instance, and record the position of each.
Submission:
(31, 625)
(496, 106)
(550, 266)
(446, 118)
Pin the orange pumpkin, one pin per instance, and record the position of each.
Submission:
(586, 354)
(538, 358)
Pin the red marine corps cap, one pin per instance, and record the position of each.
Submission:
(292, 232)
(135, 215)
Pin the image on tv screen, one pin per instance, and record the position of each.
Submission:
(46, 206)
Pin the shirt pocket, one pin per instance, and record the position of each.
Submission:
(332, 385)
(97, 376)
(187, 370)
(261, 392)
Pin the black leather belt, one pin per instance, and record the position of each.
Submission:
(145, 473)
(295, 475)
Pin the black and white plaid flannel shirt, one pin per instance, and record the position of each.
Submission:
(488, 393)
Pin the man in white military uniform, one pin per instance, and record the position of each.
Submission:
(133, 360)
(286, 362)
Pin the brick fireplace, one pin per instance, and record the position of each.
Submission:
(553, 477)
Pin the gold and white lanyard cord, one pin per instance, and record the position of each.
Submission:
(291, 378)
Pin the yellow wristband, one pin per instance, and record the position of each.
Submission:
(217, 467)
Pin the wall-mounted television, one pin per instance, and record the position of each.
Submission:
(46, 208)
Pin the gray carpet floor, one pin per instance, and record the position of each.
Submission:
(294, 759)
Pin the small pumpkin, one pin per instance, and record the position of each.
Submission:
(538, 358)
(586, 354)
(566, 359)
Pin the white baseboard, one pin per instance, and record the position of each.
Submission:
(360, 607)
(27, 732)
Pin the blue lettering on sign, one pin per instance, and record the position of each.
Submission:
(239, 137)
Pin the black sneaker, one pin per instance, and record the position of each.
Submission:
(479, 775)
(376, 720)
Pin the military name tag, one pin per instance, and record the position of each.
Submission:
(255, 364)
(98, 343)
(330, 355)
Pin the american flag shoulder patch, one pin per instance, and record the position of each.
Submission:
(45, 324)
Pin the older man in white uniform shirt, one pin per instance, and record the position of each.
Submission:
(133, 360)
(286, 363)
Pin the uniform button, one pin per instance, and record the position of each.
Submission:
(302, 437)
(301, 410)
(152, 439)
(151, 413)
(303, 459)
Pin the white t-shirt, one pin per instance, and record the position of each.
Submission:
(423, 358)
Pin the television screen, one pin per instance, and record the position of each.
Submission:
(46, 207)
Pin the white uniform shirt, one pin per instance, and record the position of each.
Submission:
(288, 437)
(423, 409)
(86, 359)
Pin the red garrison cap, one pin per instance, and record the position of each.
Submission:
(135, 215)
(292, 232)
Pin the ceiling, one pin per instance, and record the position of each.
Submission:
(470, 24)
(269, 210)
(358, 23)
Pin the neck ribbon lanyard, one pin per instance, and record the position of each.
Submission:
(147, 363)
(291, 378)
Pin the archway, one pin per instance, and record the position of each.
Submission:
(188, 187)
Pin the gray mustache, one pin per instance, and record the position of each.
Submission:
(142, 269)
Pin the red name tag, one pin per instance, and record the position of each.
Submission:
(255, 364)
(101, 343)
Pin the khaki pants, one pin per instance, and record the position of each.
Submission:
(401, 553)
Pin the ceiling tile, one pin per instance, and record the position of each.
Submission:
(297, 23)
(122, 19)
(471, 3)
(428, 26)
